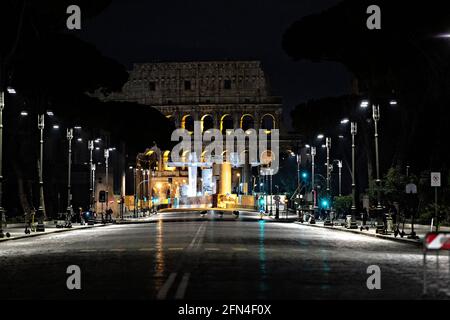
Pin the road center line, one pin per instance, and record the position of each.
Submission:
(162, 293)
(181, 290)
(191, 245)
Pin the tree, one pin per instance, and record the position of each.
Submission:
(402, 61)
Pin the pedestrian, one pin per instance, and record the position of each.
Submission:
(364, 216)
(81, 216)
(109, 213)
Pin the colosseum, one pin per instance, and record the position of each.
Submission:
(219, 94)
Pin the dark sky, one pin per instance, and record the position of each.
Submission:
(170, 30)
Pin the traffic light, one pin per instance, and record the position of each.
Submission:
(325, 203)
(102, 196)
(304, 175)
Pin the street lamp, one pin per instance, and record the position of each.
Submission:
(353, 131)
(376, 118)
(69, 167)
(328, 146)
(339, 163)
(364, 104)
(2, 210)
(91, 185)
(313, 190)
(106, 153)
(41, 211)
(239, 183)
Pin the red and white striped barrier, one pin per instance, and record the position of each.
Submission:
(434, 241)
(437, 241)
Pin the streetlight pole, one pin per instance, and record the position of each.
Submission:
(313, 186)
(91, 184)
(271, 197)
(328, 146)
(239, 183)
(135, 191)
(2, 210)
(266, 187)
(376, 118)
(340, 177)
(353, 131)
(298, 172)
(106, 153)
(69, 169)
(41, 211)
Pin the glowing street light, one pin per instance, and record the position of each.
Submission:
(364, 104)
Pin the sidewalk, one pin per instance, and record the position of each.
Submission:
(17, 231)
(420, 230)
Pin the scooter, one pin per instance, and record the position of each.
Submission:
(364, 225)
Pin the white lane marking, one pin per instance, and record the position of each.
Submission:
(182, 287)
(191, 245)
(162, 293)
(212, 249)
(117, 250)
(175, 249)
(240, 249)
(146, 249)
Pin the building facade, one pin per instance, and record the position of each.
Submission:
(218, 94)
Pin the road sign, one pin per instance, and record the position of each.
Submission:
(411, 188)
(102, 196)
(435, 179)
(437, 241)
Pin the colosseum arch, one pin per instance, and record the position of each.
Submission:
(207, 122)
(172, 119)
(226, 122)
(268, 122)
(187, 122)
(247, 122)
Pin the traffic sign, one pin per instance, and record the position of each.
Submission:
(435, 179)
(437, 241)
(411, 188)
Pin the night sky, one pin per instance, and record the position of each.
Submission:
(144, 31)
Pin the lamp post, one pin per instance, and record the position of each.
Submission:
(271, 197)
(353, 131)
(41, 211)
(94, 167)
(239, 183)
(106, 154)
(91, 184)
(69, 169)
(135, 192)
(376, 118)
(265, 177)
(328, 146)
(2, 210)
(313, 186)
(339, 163)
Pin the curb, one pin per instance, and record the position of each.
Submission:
(38, 234)
(373, 235)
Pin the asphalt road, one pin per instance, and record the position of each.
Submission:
(215, 258)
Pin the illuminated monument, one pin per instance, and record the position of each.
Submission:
(219, 95)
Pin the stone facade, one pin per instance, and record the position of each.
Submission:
(234, 92)
(222, 95)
